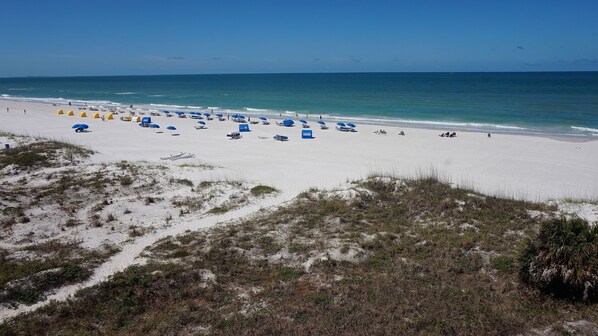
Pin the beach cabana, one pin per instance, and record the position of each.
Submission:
(342, 127)
(238, 118)
(286, 123)
(136, 119)
(208, 116)
(156, 127)
(307, 134)
(172, 128)
(201, 125)
(82, 115)
(95, 116)
(220, 116)
(322, 125)
(244, 128)
(146, 120)
(264, 120)
(304, 123)
(80, 127)
(70, 113)
(59, 112)
(109, 116)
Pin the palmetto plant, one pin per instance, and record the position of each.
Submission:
(563, 259)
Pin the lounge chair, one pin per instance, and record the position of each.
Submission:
(234, 135)
(281, 137)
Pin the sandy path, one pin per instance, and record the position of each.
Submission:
(129, 254)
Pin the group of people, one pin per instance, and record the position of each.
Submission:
(448, 135)
(383, 132)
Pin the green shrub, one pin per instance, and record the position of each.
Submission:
(262, 190)
(563, 259)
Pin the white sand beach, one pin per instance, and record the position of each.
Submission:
(526, 167)
(523, 167)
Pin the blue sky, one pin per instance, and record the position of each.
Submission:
(69, 38)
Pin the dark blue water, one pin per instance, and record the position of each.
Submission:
(555, 102)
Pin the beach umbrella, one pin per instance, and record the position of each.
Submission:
(321, 122)
(207, 114)
(351, 125)
(303, 121)
(165, 111)
(155, 126)
(83, 126)
(171, 128)
(201, 122)
(218, 114)
(179, 112)
(340, 124)
(263, 118)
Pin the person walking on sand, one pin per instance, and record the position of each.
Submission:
(25, 111)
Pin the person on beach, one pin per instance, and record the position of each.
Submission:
(7, 109)
(320, 117)
(24, 111)
(489, 135)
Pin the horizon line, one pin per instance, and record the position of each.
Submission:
(300, 73)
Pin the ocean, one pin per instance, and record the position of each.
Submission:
(553, 103)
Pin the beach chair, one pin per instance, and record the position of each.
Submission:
(279, 137)
(234, 136)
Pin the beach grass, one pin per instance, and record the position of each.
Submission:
(388, 256)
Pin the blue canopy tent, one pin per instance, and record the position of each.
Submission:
(244, 128)
(146, 120)
(307, 134)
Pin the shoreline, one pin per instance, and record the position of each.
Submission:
(458, 126)
(514, 166)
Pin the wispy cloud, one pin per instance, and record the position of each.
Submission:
(586, 60)
(520, 47)
(175, 58)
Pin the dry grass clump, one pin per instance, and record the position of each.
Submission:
(386, 257)
(45, 153)
(46, 266)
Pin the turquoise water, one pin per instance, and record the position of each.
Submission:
(553, 103)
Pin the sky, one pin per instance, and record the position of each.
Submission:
(107, 37)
